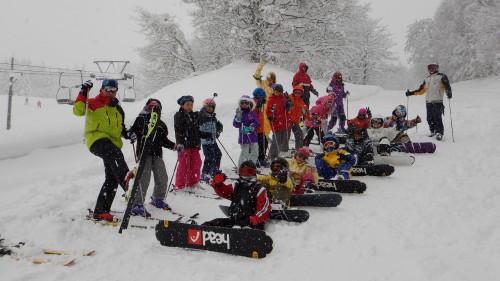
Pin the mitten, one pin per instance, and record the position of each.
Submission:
(86, 87)
(408, 93)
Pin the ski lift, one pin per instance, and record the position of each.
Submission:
(64, 93)
(131, 95)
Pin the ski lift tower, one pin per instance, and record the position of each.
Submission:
(112, 69)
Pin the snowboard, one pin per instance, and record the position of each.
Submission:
(418, 147)
(316, 200)
(342, 186)
(403, 159)
(378, 170)
(298, 216)
(246, 242)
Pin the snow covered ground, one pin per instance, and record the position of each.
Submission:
(435, 220)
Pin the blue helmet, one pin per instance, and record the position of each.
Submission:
(278, 87)
(329, 138)
(110, 83)
(259, 93)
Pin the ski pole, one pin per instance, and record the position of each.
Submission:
(172, 176)
(228, 154)
(135, 155)
(451, 121)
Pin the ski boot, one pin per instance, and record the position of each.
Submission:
(139, 210)
(160, 204)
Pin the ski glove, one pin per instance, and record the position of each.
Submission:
(343, 157)
(131, 136)
(86, 87)
(408, 93)
(418, 119)
(368, 112)
(179, 147)
(246, 130)
(448, 95)
(219, 178)
(315, 92)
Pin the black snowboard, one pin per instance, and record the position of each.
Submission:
(284, 215)
(246, 242)
(342, 186)
(378, 170)
(316, 200)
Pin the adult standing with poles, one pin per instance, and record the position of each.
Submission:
(434, 85)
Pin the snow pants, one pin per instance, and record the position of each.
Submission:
(310, 134)
(263, 144)
(155, 165)
(435, 112)
(279, 144)
(188, 168)
(213, 155)
(249, 151)
(115, 171)
(298, 134)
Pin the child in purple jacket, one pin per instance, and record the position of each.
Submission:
(247, 122)
(336, 87)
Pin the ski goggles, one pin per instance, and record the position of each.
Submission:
(247, 103)
(378, 121)
(302, 155)
(110, 89)
(247, 172)
(210, 105)
(329, 145)
(152, 105)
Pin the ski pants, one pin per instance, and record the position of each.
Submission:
(279, 144)
(115, 171)
(310, 134)
(155, 165)
(188, 168)
(249, 151)
(213, 155)
(298, 134)
(435, 112)
(263, 144)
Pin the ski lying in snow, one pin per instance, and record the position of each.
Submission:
(315, 200)
(68, 262)
(117, 222)
(246, 242)
(378, 170)
(298, 216)
(341, 186)
(418, 147)
(403, 159)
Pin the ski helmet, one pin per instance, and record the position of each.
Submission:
(330, 143)
(259, 93)
(279, 167)
(248, 171)
(362, 111)
(278, 87)
(208, 102)
(298, 90)
(303, 153)
(109, 83)
(377, 119)
(248, 99)
(337, 76)
(400, 111)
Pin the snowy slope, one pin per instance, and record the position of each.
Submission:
(435, 220)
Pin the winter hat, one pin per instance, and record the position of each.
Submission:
(337, 76)
(278, 87)
(362, 111)
(248, 99)
(305, 151)
(209, 101)
(182, 100)
(298, 90)
(259, 93)
(110, 83)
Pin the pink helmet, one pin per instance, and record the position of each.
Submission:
(209, 101)
(305, 151)
(362, 111)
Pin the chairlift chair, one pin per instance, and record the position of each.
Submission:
(131, 96)
(64, 95)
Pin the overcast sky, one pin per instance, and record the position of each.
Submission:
(66, 33)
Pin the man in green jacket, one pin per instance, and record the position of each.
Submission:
(104, 129)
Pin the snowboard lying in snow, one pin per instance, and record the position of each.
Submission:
(315, 200)
(282, 215)
(246, 242)
(342, 186)
(396, 159)
(418, 147)
(378, 170)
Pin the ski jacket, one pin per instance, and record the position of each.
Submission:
(297, 170)
(359, 123)
(260, 111)
(210, 127)
(333, 161)
(434, 86)
(248, 119)
(276, 107)
(318, 114)
(270, 183)
(187, 129)
(298, 110)
(105, 119)
(377, 134)
(140, 128)
(248, 200)
(268, 87)
(401, 124)
(327, 102)
(338, 90)
(302, 78)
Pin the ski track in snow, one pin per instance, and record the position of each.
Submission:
(435, 220)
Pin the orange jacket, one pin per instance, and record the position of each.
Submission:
(298, 110)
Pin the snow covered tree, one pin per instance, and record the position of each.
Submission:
(167, 56)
